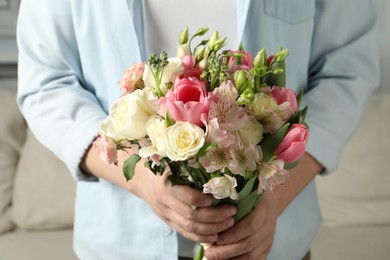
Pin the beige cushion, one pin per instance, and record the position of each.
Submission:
(358, 192)
(43, 191)
(12, 132)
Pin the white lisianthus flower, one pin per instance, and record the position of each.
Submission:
(183, 50)
(262, 106)
(128, 117)
(222, 187)
(155, 130)
(170, 73)
(183, 140)
(251, 133)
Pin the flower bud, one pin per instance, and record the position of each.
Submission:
(239, 79)
(200, 54)
(260, 58)
(201, 31)
(213, 39)
(184, 36)
(281, 55)
(219, 44)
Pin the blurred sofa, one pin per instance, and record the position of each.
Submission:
(37, 192)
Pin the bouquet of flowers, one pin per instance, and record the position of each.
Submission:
(221, 120)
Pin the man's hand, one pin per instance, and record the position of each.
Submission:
(252, 237)
(173, 204)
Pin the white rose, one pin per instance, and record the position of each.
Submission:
(251, 133)
(128, 117)
(222, 187)
(183, 140)
(170, 73)
(155, 130)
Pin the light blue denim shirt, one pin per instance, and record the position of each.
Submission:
(73, 52)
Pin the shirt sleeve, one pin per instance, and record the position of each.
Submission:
(60, 111)
(344, 71)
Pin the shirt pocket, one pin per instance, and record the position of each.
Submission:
(290, 11)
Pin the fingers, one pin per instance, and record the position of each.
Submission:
(248, 248)
(190, 196)
(258, 221)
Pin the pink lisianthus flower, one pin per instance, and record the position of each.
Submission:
(129, 79)
(189, 69)
(106, 149)
(286, 100)
(271, 175)
(293, 145)
(244, 63)
(187, 102)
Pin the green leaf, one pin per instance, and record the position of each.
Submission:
(168, 120)
(246, 190)
(129, 166)
(303, 114)
(177, 180)
(299, 97)
(245, 206)
(269, 144)
(205, 148)
(289, 166)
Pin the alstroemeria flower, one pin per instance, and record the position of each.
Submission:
(271, 175)
(223, 106)
(187, 102)
(244, 158)
(222, 187)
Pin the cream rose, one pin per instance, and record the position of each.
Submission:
(155, 130)
(170, 73)
(251, 133)
(183, 140)
(128, 117)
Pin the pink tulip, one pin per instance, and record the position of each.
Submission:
(293, 145)
(187, 102)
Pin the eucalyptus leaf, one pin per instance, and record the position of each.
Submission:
(129, 166)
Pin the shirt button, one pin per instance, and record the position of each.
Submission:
(167, 231)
